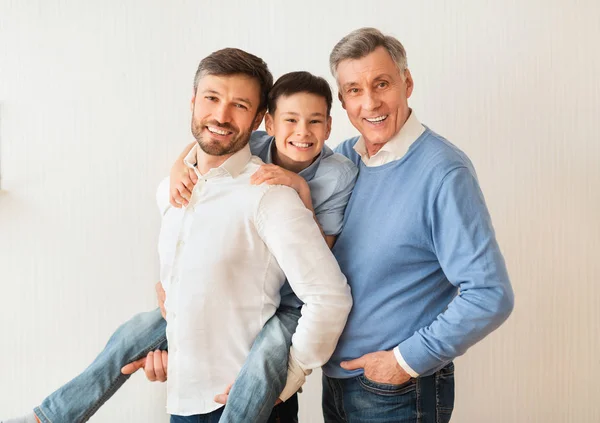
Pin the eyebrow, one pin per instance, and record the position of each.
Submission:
(382, 76)
(298, 114)
(377, 78)
(349, 85)
(238, 99)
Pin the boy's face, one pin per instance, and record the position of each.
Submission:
(300, 127)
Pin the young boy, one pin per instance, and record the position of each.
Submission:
(298, 123)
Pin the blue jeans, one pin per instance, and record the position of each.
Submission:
(286, 412)
(251, 399)
(199, 418)
(428, 399)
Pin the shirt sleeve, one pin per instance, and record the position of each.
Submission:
(294, 239)
(162, 196)
(330, 213)
(465, 245)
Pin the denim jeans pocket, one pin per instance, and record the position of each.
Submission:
(386, 389)
(444, 390)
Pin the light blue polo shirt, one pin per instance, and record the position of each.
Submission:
(330, 177)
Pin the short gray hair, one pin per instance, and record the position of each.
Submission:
(364, 41)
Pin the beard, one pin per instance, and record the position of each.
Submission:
(213, 147)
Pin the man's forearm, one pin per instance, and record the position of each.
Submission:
(313, 273)
(466, 321)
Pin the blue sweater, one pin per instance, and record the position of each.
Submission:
(420, 254)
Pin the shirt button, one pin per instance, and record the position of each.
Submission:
(180, 243)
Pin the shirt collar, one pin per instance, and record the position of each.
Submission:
(396, 147)
(308, 173)
(233, 166)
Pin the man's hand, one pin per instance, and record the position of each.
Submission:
(222, 398)
(155, 365)
(181, 183)
(380, 366)
(161, 296)
(275, 175)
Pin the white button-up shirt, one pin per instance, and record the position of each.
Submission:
(395, 148)
(223, 260)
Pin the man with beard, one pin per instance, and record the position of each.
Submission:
(225, 257)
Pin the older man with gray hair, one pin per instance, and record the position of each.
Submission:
(418, 249)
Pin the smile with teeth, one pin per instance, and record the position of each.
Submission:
(377, 119)
(218, 131)
(301, 144)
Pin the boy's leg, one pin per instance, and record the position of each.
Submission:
(264, 374)
(80, 398)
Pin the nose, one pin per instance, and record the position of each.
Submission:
(221, 113)
(371, 101)
(302, 129)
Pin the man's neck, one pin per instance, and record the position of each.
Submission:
(373, 149)
(206, 162)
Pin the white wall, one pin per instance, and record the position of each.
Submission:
(94, 109)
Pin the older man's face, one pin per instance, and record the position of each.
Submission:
(375, 96)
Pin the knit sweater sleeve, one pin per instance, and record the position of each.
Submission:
(465, 244)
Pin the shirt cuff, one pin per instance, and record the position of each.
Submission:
(295, 379)
(403, 363)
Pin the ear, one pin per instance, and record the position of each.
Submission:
(342, 100)
(258, 119)
(409, 83)
(192, 102)
(269, 125)
(328, 128)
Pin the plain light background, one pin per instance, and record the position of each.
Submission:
(94, 108)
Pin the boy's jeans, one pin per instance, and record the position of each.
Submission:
(251, 399)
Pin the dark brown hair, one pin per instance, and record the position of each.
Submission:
(299, 82)
(231, 61)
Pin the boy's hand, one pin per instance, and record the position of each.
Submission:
(222, 398)
(181, 183)
(155, 365)
(161, 296)
(275, 175)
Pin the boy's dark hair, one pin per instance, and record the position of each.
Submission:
(231, 61)
(299, 82)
